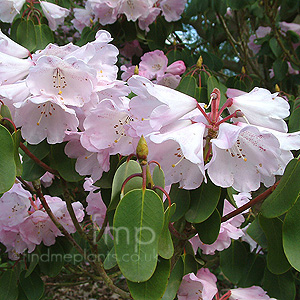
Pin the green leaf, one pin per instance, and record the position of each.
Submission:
(188, 85)
(8, 285)
(110, 260)
(44, 36)
(63, 164)
(294, 124)
(51, 259)
(165, 244)
(253, 272)
(26, 34)
(256, 233)
(276, 49)
(208, 230)
(32, 171)
(281, 287)
(286, 193)
(204, 200)
(7, 161)
(174, 281)
(291, 235)
(158, 177)
(280, 68)
(154, 288)
(159, 31)
(181, 198)
(5, 112)
(33, 259)
(136, 237)
(276, 260)
(33, 285)
(16, 136)
(189, 264)
(124, 171)
(233, 262)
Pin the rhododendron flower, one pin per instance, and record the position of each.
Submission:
(172, 9)
(134, 9)
(199, 286)
(153, 64)
(251, 293)
(260, 33)
(43, 117)
(261, 108)
(151, 17)
(54, 14)
(9, 9)
(69, 79)
(14, 206)
(228, 230)
(8, 46)
(242, 158)
(13, 68)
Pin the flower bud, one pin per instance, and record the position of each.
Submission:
(176, 68)
(199, 62)
(142, 149)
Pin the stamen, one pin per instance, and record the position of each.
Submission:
(180, 155)
(86, 157)
(212, 96)
(44, 112)
(59, 81)
(246, 119)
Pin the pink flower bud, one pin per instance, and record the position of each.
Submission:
(176, 68)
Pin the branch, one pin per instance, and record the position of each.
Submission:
(251, 203)
(37, 161)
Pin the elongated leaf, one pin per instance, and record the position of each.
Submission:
(276, 260)
(281, 287)
(124, 171)
(110, 260)
(33, 285)
(154, 288)
(188, 85)
(8, 285)
(233, 261)
(17, 139)
(257, 234)
(181, 198)
(51, 259)
(204, 200)
(63, 164)
(26, 34)
(158, 177)
(208, 230)
(7, 161)
(165, 244)
(32, 171)
(280, 68)
(286, 193)
(44, 36)
(138, 223)
(174, 281)
(291, 235)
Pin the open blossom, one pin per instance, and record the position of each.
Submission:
(44, 116)
(199, 286)
(228, 230)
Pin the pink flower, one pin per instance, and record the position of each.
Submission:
(200, 286)
(172, 9)
(251, 293)
(9, 9)
(131, 48)
(43, 117)
(176, 68)
(54, 14)
(260, 33)
(149, 19)
(153, 64)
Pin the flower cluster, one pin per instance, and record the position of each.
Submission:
(60, 89)
(25, 224)
(203, 286)
(145, 11)
(154, 66)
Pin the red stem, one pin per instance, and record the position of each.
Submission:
(165, 193)
(251, 203)
(128, 178)
(37, 161)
